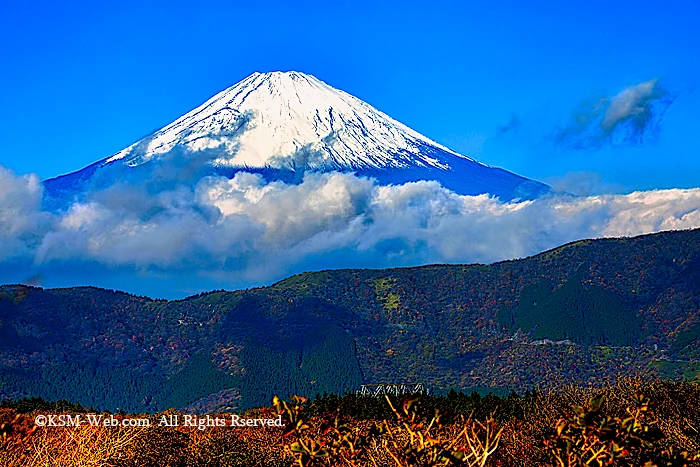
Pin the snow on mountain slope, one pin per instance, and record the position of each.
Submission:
(285, 113)
(291, 121)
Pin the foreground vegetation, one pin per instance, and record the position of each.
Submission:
(633, 423)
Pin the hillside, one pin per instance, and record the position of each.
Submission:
(585, 313)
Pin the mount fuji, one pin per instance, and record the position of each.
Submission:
(282, 124)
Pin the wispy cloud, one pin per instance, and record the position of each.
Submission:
(629, 118)
(582, 183)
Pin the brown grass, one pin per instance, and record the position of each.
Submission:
(671, 412)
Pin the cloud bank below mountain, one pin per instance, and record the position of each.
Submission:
(246, 230)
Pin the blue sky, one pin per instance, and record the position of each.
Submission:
(593, 98)
(82, 80)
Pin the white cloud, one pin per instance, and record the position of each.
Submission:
(21, 220)
(633, 103)
(248, 229)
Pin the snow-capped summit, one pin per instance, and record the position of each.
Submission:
(290, 121)
(285, 113)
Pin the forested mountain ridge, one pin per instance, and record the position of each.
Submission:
(585, 313)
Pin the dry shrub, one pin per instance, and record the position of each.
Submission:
(412, 439)
(82, 446)
(631, 423)
(153, 446)
(238, 447)
(671, 409)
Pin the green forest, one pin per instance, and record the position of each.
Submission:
(586, 313)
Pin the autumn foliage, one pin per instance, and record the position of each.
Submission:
(633, 423)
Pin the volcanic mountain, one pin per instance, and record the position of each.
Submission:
(281, 124)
